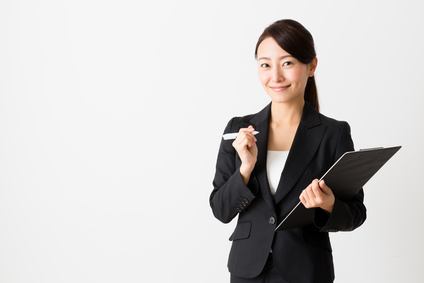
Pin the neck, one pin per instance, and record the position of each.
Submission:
(285, 114)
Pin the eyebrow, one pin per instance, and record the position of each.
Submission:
(282, 57)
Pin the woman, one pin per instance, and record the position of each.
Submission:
(261, 176)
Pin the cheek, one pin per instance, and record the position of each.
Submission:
(263, 78)
(296, 75)
(300, 75)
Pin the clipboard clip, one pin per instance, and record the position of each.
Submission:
(374, 148)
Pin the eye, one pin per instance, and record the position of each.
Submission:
(264, 65)
(287, 63)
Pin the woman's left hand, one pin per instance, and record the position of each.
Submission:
(318, 195)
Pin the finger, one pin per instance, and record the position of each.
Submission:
(316, 187)
(246, 137)
(249, 136)
(324, 187)
(244, 145)
(319, 196)
(242, 135)
(249, 139)
(316, 190)
(245, 132)
(249, 129)
(310, 192)
(304, 200)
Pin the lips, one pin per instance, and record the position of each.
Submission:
(279, 88)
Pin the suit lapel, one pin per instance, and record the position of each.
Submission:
(260, 122)
(306, 142)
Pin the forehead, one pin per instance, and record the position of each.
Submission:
(269, 48)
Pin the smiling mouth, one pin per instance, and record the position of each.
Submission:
(279, 88)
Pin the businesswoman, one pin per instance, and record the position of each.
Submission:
(261, 176)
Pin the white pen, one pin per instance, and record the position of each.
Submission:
(233, 136)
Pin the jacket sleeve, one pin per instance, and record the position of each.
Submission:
(347, 215)
(230, 195)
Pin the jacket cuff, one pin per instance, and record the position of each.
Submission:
(248, 193)
(328, 222)
(252, 186)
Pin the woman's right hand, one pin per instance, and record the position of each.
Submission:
(245, 145)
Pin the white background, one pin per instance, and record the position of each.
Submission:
(111, 114)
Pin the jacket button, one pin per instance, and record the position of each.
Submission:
(271, 220)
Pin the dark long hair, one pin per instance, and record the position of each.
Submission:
(298, 42)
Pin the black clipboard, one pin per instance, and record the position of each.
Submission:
(346, 177)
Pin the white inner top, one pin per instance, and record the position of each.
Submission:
(274, 167)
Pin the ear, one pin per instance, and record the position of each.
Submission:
(312, 67)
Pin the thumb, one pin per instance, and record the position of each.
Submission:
(324, 187)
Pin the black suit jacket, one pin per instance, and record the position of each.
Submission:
(301, 254)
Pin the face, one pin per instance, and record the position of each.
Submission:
(282, 76)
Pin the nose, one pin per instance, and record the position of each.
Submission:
(277, 75)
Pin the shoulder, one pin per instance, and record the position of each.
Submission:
(238, 122)
(334, 124)
(311, 118)
(245, 121)
(338, 134)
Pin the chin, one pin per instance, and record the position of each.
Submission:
(291, 100)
